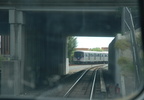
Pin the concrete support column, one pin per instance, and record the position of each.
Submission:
(12, 21)
(20, 45)
(12, 71)
(117, 67)
(66, 55)
(20, 35)
(16, 34)
(65, 65)
(119, 78)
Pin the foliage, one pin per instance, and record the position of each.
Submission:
(122, 44)
(123, 61)
(140, 49)
(139, 40)
(96, 49)
(126, 64)
(128, 68)
(72, 44)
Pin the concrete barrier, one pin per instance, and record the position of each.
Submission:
(10, 77)
(67, 65)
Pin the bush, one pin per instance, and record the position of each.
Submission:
(126, 64)
(122, 44)
(123, 61)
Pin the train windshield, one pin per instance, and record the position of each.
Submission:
(78, 54)
(41, 56)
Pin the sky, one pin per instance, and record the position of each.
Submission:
(93, 42)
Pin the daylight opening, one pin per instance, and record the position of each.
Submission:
(94, 49)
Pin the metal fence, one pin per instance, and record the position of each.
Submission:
(128, 29)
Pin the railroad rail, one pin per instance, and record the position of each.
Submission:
(93, 85)
(87, 85)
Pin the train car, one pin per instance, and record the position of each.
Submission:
(90, 57)
(105, 57)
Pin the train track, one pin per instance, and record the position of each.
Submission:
(88, 84)
(100, 87)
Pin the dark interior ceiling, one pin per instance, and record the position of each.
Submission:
(68, 23)
(77, 23)
(99, 22)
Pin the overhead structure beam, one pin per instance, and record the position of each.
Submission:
(69, 2)
(59, 8)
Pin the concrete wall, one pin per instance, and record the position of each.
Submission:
(45, 51)
(118, 73)
(111, 59)
(114, 68)
(10, 78)
(121, 74)
(40, 51)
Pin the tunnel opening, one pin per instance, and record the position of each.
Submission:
(87, 43)
(87, 51)
(45, 38)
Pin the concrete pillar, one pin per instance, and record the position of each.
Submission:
(16, 34)
(20, 44)
(16, 22)
(12, 71)
(20, 35)
(123, 90)
(117, 67)
(119, 78)
(67, 59)
(12, 22)
(65, 65)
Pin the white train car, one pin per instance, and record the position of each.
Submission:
(90, 57)
(104, 57)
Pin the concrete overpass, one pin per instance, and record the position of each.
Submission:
(38, 32)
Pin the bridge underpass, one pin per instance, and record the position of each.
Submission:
(38, 42)
(45, 38)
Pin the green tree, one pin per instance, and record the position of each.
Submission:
(96, 49)
(72, 44)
